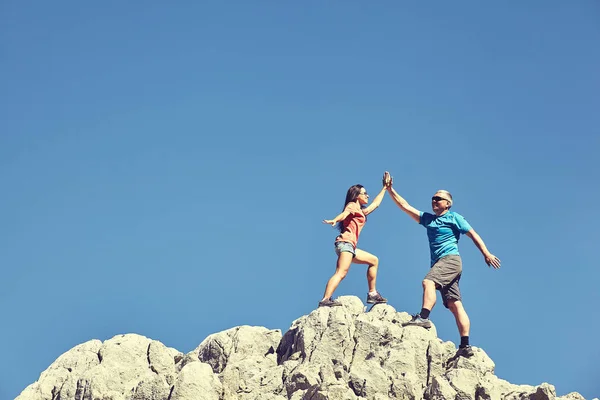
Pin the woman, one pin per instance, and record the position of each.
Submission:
(350, 222)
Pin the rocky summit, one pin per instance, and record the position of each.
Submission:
(332, 353)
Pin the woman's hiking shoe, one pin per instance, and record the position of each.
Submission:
(329, 303)
(466, 351)
(418, 321)
(376, 299)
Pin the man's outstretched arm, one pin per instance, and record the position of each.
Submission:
(490, 259)
(403, 204)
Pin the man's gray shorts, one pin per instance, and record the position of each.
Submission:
(446, 274)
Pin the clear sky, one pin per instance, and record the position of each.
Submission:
(165, 168)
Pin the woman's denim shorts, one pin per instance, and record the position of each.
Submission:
(344, 246)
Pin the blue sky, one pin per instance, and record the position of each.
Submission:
(165, 169)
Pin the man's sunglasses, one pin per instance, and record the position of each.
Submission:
(438, 198)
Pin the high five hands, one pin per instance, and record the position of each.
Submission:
(387, 180)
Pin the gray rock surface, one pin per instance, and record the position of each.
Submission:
(339, 353)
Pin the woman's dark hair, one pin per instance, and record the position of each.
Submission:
(351, 197)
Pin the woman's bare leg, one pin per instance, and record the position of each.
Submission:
(341, 270)
(363, 257)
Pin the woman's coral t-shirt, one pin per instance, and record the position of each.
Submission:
(353, 224)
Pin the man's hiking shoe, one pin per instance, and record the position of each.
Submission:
(466, 351)
(329, 303)
(376, 299)
(418, 321)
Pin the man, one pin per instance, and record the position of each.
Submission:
(444, 228)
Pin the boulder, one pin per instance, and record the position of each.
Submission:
(338, 353)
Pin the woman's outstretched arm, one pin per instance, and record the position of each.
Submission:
(340, 217)
(375, 203)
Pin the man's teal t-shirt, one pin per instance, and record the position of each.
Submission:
(443, 233)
